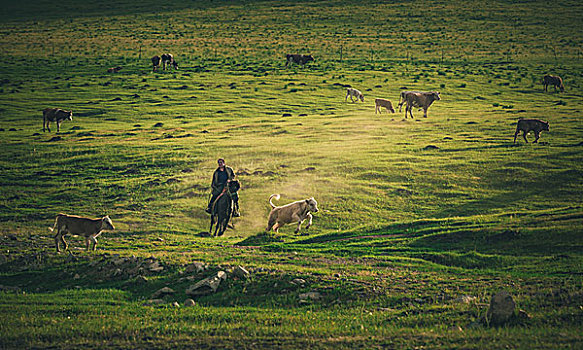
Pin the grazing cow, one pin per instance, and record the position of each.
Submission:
(403, 98)
(77, 225)
(528, 125)
(55, 115)
(155, 63)
(292, 212)
(113, 69)
(420, 100)
(298, 59)
(554, 81)
(381, 102)
(167, 58)
(353, 93)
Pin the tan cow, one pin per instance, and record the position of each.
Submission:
(381, 102)
(293, 212)
(55, 115)
(77, 225)
(554, 81)
(420, 100)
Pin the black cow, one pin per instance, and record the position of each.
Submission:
(298, 59)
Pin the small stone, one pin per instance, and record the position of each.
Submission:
(162, 292)
(310, 295)
(196, 267)
(241, 272)
(189, 303)
(153, 302)
(501, 308)
(175, 304)
(76, 277)
(298, 281)
(465, 299)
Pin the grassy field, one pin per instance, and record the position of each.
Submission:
(421, 220)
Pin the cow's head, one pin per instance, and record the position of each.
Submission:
(69, 115)
(312, 205)
(361, 97)
(309, 58)
(436, 96)
(546, 126)
(175, 64)
(106, 223)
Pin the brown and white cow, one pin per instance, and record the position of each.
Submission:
(353, 93)
(167, 59)
(553, 80)
(298, 59)
(155, 63)
(381, 102)
(78, 225)
(55, 115)
(293, 212)
(420, 100)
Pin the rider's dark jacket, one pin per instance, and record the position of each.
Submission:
(217, 187)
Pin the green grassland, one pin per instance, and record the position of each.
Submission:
(414, 213)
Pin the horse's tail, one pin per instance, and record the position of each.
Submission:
(276, 198)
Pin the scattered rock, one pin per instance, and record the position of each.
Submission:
(311, 296)
(141, 280)
(208, 285)
(160, 293)
(175, 304)
(310, 168)
(298, 281)
(153, 302)
(501, 308)
(241, 272)
(286, 115)
(189, 303)
(428, 147)
(456, 329)
(465, 299)
(158, 125)
(197, 267)
(55, 138)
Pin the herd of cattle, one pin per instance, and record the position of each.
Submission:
(293, 212)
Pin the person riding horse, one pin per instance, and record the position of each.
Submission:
(221, 177)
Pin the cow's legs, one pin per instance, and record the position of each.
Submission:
(536, 136)
(516, 134)
(524, 135)
(425, 113)
(276, 227)
(57, 240)
(309, 217)
(60, 237)
(299, 220)
(44, 121)
(58, 126)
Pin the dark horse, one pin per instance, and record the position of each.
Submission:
(222, 209)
